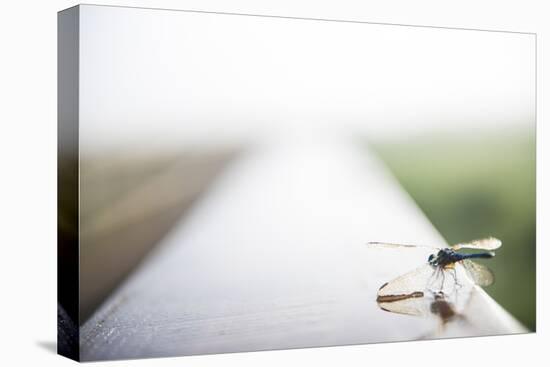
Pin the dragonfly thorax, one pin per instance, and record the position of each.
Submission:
(444, 257)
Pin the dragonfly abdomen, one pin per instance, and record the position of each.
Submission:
(447, 257)
(482, 255)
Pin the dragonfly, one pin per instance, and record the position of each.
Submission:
(442, 261)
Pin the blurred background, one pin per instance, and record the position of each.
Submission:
(169, 99)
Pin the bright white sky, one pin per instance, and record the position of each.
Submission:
(170, 76)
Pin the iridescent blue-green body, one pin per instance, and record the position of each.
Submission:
(446, 257)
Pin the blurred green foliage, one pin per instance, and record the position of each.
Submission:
(472, 187)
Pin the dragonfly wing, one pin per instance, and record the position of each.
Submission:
(410, 306)
(480, 274)
(398, 245)
(490, 244)
(408, 285)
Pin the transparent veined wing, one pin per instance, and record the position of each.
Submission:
(413, 306)
(489, 243)
(408, 285)
(480, 274)
(398, 245)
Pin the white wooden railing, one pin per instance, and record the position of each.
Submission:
(274, 257)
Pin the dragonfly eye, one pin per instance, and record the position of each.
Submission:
(431, 258)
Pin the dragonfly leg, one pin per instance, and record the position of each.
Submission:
(457, 284)
(442, 280)
(432, 280)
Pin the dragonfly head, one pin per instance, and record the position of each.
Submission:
(432, 260)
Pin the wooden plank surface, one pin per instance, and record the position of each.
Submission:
(275, 257)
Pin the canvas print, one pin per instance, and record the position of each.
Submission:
(231, 183)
